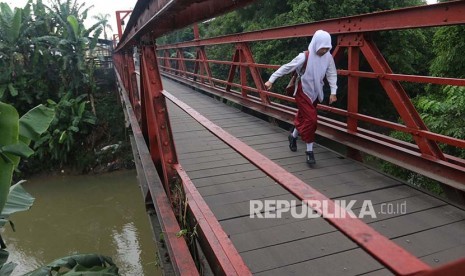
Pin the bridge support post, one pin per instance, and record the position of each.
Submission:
(159, 136)
(352, 42)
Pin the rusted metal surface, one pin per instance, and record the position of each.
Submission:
(215, 242)
(400, 100)
(387, 252)
(179, 254)
(120, 16)
(441, 14)
(162, 16)
(159, 133)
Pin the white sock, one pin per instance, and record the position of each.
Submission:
(295, 133)
(309, 146)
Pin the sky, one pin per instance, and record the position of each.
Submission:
(104, 7)
(100, 6)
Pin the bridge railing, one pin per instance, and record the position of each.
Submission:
(144, 99)
(244, 85)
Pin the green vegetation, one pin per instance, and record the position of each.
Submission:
(83, 264)
(17, 133)
(47, 57)
(409, 55)
(103, 19)
(442, 108)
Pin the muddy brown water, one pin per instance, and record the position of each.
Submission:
(102, 214)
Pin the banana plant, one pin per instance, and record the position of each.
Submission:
(11, 27)
(17, 133)
(82, 264)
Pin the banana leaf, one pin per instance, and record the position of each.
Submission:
(91, 264)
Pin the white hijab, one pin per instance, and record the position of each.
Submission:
(312, 80)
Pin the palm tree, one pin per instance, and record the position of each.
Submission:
(103, 19)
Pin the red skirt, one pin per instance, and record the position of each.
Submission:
(306, 118)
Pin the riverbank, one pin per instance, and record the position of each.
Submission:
(105, 148)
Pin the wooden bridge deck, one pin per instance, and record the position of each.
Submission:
(432, 230)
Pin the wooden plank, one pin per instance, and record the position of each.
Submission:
(300, 151)
(242, 209)
(434, 240)
(220, 179)
(187, 129)
(244, 224)
(298, 251)
(327, 161)
(221, 171)
(238, 121)
(316, 172)
(200, 154)
(419, 222)
(284, 152)
(352, 262)
(292, 230)
(209, 147)
(252, 133)
(300, 228)
(445, 256)
(378, 272)
(229, 187)
(200, 135)
(268, 141)
(357, 177)
(323, 157)
(351, 188)
(252, 126)
(197, 143)
(390, 194)
(210, 159)
(215, 164)
(413, 205)
(245, 195)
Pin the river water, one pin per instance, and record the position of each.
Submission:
(102, 214)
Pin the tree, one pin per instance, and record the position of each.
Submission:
(103, 20)
(407, 56)
(46, 58)
(442, 108)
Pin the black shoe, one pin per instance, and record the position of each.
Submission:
(310, 157)
(292, 143)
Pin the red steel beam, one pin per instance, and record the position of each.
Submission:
(395, 126)
(178, 251)
(402, 77)
(400, 99)
(385, 251)
(215, 242)
(163, 16)
(441, 14)
(120, 16)
(352, 87)
(160, 137)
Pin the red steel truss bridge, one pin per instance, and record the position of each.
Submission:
(202, 157)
